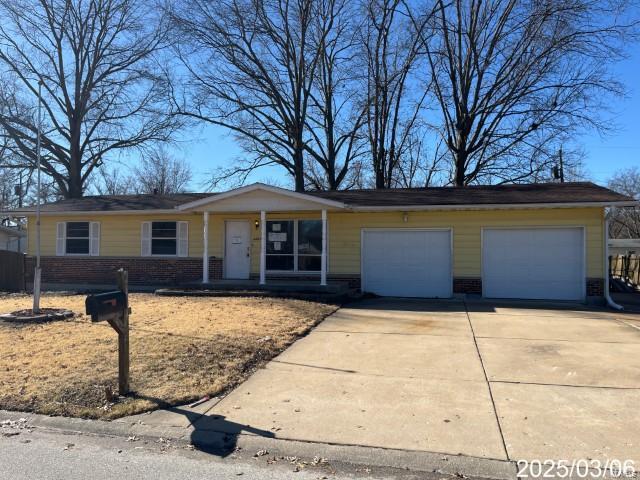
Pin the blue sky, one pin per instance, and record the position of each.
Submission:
(214, 147)
(620, 150)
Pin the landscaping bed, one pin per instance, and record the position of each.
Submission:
(182, 348)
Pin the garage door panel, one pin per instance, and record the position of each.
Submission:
(535, 263)
(407, 263)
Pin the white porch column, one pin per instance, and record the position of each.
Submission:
(323, 257)
(263, 247)
(205, 248)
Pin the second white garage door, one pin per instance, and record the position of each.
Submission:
(533, 263)
(407, 263)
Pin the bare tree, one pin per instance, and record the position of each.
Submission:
(101, 89)
(513, 79)
(337, 107)
(252, 65)
(112, 181)
(422, 165)
(391, 51)
(626, 221)
(161, 173)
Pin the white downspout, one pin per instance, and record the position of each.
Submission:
(607, 295)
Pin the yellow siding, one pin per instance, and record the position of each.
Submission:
(120, 234)
(344, 239)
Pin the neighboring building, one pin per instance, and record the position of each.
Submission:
(542, 241)
(624, 246)
(13, 239)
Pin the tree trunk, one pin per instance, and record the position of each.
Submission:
(74, 181)
(379, 166)
(380, 183)
(461, 161)
(298, 165)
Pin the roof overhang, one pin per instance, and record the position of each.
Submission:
(257, 197)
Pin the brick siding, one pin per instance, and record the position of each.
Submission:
(595, 287)
(467, 285)
(353, 281)
(176, 271)
(142, 270)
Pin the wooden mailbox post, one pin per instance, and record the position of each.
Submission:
(113, 307)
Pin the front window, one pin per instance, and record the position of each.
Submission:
(294, 245)
(77, 242)
(309, 245)
(163, 238)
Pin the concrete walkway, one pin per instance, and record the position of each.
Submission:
(482, 380)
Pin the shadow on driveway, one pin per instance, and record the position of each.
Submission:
(630, 301)
(472, 304)
(212, 434)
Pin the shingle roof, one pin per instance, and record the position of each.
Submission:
(578, 192)
(110, 203)
(541, 193)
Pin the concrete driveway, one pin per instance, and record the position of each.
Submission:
(483, 380)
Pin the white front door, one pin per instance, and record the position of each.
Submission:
(407, 263)
(237, 257)
(533, 263)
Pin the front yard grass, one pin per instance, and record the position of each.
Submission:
(182, 348)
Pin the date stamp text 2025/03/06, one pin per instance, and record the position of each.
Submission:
(582, 468)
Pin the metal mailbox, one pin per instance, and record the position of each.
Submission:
(106, 306)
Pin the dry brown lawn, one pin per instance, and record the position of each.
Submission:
(181, 349)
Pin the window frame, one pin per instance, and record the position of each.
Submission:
(67, 238)
(295, 254)
(151, 238)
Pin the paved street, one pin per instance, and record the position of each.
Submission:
(54, 456)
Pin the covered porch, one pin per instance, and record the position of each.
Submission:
(266, 237)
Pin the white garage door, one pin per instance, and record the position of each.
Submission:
(407, 263)
(536, 263)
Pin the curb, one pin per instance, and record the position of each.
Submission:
(213, 441)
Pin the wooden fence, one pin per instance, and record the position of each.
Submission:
(626, 267)
(12, 266)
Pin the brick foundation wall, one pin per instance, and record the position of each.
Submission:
(467, 285)
(353, 281)
(142, 270)
(215, 268)
(595, 287)
(175, 271)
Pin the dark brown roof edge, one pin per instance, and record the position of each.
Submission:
(513, 194)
